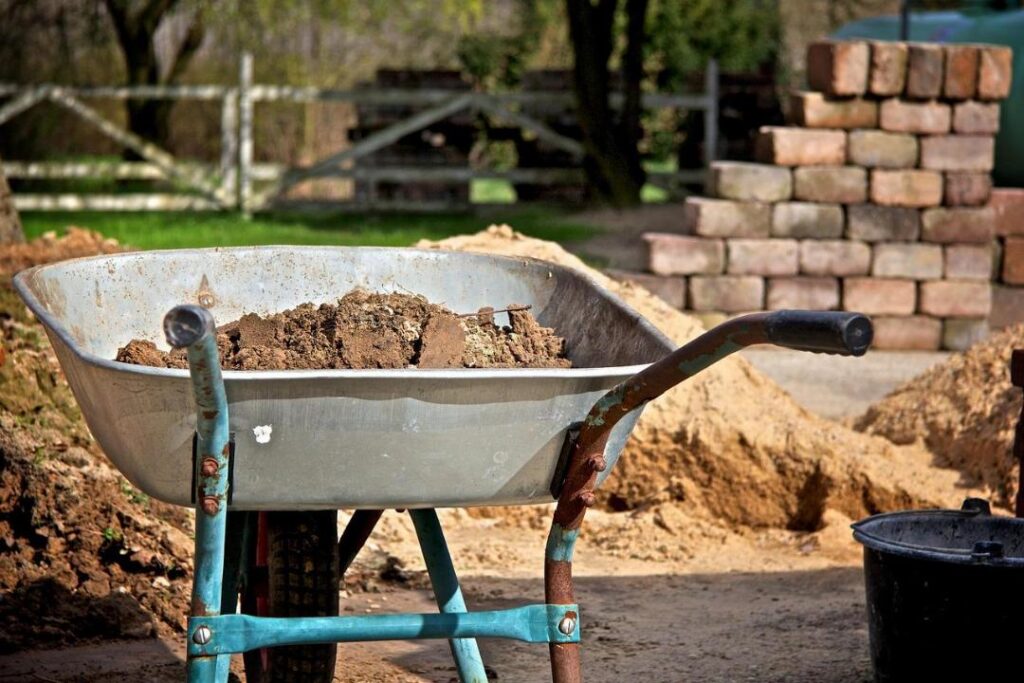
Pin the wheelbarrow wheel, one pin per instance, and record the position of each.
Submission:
(300, 551)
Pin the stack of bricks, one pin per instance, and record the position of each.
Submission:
(875, 199)
(1008, 294)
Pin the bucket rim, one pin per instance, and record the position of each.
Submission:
(965, 556)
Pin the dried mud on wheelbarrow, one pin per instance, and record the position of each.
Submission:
(366, 330)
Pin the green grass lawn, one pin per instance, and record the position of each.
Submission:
(147, 230)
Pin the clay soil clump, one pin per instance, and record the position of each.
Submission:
(367, 330)
(964, 412)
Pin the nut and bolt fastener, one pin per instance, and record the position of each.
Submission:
(202, 635)
(587, 498)
(567, 625)
(209, 467)
(210, 505)
(598, 463)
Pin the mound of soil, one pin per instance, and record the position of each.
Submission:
(366, 330)
(731, 445)
(964, 411)
(81, 551)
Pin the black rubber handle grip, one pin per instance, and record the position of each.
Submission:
(846, 334)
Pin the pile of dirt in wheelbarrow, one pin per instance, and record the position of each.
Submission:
(368, 330)
(731, 446)
(964, 411)
(83, 554)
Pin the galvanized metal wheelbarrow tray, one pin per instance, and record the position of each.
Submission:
(372, 439)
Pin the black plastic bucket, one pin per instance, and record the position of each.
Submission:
(945, 594)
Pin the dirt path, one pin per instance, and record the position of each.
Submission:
(775, 626)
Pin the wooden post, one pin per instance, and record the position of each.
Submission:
(229, 150)
(10, 224)
(245, 137)
(711, 112)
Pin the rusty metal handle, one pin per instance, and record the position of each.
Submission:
(819, 331)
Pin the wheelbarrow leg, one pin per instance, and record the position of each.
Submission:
(447, 592)
(576, 496)
(192, 328)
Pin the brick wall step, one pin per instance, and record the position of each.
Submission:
(670, 254)
(907, 333)
(838, 67)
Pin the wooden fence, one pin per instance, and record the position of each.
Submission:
(237, 183)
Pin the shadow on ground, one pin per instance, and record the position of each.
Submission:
(797, 627)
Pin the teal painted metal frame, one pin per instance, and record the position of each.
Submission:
(213, 637)
(232, 633)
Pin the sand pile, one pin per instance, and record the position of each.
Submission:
(370, 330)
(964, 411)
(81, 551)
(734, 447)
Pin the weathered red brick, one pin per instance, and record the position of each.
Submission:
(836, 184)
(815, 110)
(906, 187)
(958, 152)
(671, 290)
(879, 296)
(834, 257)
(1008, 206)
(683, 255)
(751, 182)
(1007, 306)
(901, 116)
(1013, 261)
(763, 257)
(808, 293)
(873, 223)
(968, 262)
(959, 334)
(966, 188)
(973, 117)
(876, 148)
(924, 70)
(961, 81)
(727, 293)
(958, 224)
(995, 72)
(913, 261)
(788, 146)
(838, 67)
(888, 68)
(725, 218)
(956, 298)
(806, 219)
(907, 333)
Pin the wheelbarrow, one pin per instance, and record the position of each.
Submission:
(268, 457)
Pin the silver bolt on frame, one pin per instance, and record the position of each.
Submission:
(202, 635)
(567, 625)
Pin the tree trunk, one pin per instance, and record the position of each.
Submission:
(10, 224)
(612, 159)
(136, 25)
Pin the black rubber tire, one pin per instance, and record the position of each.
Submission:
(302, 581)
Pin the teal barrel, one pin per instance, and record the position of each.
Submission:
(973, 24)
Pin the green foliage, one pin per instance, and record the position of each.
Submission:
(742, 35)
(498, 60)
(191, 230)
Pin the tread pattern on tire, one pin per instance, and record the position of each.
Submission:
(303, 577)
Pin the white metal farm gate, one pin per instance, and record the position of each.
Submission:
(237, 183)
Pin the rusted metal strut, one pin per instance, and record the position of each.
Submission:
(1017, 377)
(823, 332)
